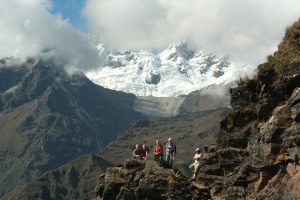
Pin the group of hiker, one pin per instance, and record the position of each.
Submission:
(142, 152)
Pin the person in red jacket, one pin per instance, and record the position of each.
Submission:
(158, 151)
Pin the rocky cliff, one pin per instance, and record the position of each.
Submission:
(257, 152)
(133, 180)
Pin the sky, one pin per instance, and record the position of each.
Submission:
(71, 11)
(244, 30)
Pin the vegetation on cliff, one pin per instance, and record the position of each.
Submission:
(258, 148)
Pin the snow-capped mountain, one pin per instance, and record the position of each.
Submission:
(177, 70)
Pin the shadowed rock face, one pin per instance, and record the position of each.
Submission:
(48, 118)
(257, 152)
(9, 77)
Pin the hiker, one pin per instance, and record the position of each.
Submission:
(137, 154)
(158, 151)
(144, 152)
(195, 167)
(170, 151)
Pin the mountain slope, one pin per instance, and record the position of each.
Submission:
(208, 98)
(188, 131)
(74, 180)
(49, 118)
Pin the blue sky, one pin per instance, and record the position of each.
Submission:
(70, 10)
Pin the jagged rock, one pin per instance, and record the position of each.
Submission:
(151, 182)
(152, 78)
(231, 157)
(295, 97)
(212, 170)
(294, 103)
(238, 140)
(210, 148)
(258, 146)
(293, 185)
(131, 164)
(112, 187)
(296, 113)
(291, 137)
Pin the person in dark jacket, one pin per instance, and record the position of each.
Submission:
(170, 151)
(137, 152)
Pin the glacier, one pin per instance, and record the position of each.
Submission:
(174, 71)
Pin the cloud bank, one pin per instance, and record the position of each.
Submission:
(28, 29)
(245, 30)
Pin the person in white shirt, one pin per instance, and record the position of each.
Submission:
(196, 164)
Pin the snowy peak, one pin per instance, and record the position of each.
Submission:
(176, 70)
(185, 57)
(177, 51)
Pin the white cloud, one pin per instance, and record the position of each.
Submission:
(245, 30)
(27, 29)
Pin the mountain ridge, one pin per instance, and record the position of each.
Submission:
(50, 118)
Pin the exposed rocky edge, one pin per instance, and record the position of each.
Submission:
(137, 181)
(48, 117)
(74, 180)
(257, 152)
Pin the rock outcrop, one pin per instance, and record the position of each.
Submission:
(257, 152)
(134, 180)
